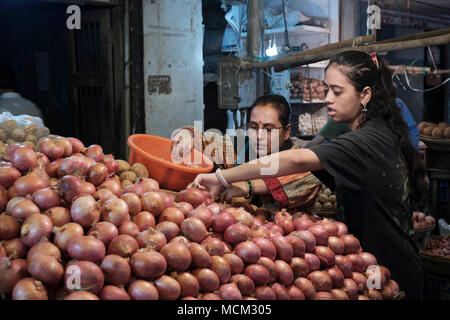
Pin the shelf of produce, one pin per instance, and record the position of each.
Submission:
(435, 263)
(294, 30)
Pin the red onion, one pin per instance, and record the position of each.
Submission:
(369, 259)
(308, 238)
(336, 244)
(203, 213)
(331, 228)
(69, 187)
(194, 229)
(351, 289)
(387, 293)
(86, 248)
(320, 234)
(24, 209)
(267, 248)
(358, 264)
(11, 272)
(45, 268)
(211, 296)
(9, 227)
(116, 269)
(324, 296)
(285, 275)
(168, 288)
(153, 202)
(75, 165)
(188, 283)
(133, 201)
(84, 210)
(313, 261)
(143, 290)
(185, 207)
(325, 255)
(10, 150)
(284, 248)
(46, 248)
(230, 291)
(237, 233)
(104, 231)
(112, 166)
(221, 267)
(177, 255)
(373, 294)
(260, 231)
(336, 276)
(244, 283)
(345, 265)
(24, 159)
(141, 186)
(360, 280)
(8, 175)
(299, 267)
(264, 293)
(214, 246)
(376, 279)
(52, 168)
(153, 238)
(34, 228)
(321, 280)
(235, 262)
(51, 149)
(270, 266)
(112, 184)
(303, 223)
(200, 257)
(113, 293)
(129, 228)
(351, 243)
(123, 245)
(295, 293)
(65, 233)
(115, 211)
(215, 208)
(258, 273)
(306, 287)
(95, 152)
(169, 229)
(280, 291)
(243, 217)
(147, 263)
(284, 220)
(248, 251)
(83, 275)
(12, 203)
(194, 196)
(46, 198)
(14, 248)
(173, 215)
(3, 198)
(29, 289)
(144, 219)
(97, 173)
(298, 246)
(207, 279)
(386, 272)
(59, 216)
(394, 287)
(77, 145)
(88, 188)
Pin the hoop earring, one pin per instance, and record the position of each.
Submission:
(364, 109)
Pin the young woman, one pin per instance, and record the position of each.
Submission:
(268, 132)
(374, 169)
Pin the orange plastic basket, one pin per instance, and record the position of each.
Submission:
(155, 153)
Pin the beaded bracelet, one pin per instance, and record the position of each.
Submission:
(251, 189)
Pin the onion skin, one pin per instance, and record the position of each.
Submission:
(345, 265)
(194, 196)
(299, 267)
(360, 280)
(3, 198)
(143, 290)
(65, 233)
(24, 159)
(264, 293)
(173, 215)
(153, 202)
(203, 213)
(8, 175)
(326, 256)
(116, 269)
(29, 289)
(270, 266)
(194, 229)
(336, 276)
(69, 187)
(313, 261)
(320, 233)
(306, 287)
(308, 239)
(267, 248)
(112, 184)
(169, 229)
(285, 275)
(387, 293)
(75, 165)
(97, 173)
(298, 246)
(133, 201)
(336, 244)
(351, 243)
(235, 262)
(248, 251)
(350, 288)
(358, 264)
(129, 228)
(237, 233)
(113, 293)
(373, 294)
(9, 227)
(123, 245)
(46, 198)
(11, 272)
(394, 286)
(177, 255)
(45, 268)
(44, 247)
(24, 209)
(104, 231)
(84, 211)
(221, 267)
(214, 246)
(284, 248)
(148, 264)
(188, 283)
(14, 248)
(168, 288)
(258, 273)
(230, 291)
(142, 186)
(115, 211)
(295, 293)
(34, 228)
(151, 237)
(321, 280)
(144, 220)
(302, 223)
(200, 256)
(90, 276)
(86, 248)
(207, 279)
(59, 216)
(244, 283)
(324, 296)
(369, 259)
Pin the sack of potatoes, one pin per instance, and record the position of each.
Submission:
(439, 130)
(326, 200)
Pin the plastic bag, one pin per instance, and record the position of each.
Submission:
(444, 228)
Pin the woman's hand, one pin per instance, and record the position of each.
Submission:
(238, 189)
(209, 182)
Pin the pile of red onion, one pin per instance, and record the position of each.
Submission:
(69, 231)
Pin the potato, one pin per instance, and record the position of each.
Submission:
(318, 205)
(28, 144)
(10, 141)
(443, 125)
(323, 198)
(125, 183)
(30, 137)
(437, 132)
(327, 205)
(140, 170)
(332, 198)
(422, 126)
(428, 130)
(327, 191)
(122, 166)
(18, 135)
(447, 133)
(128, 175)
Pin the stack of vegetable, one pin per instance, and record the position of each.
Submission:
(420, 220)
(439, 246)
(70, 231)
(440, 130)
(129, 174)
(306, 88)
(326, 200)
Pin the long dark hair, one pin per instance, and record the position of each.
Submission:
(279, 103)
(362, 71)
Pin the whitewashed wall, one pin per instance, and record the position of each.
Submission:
(173, 61)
